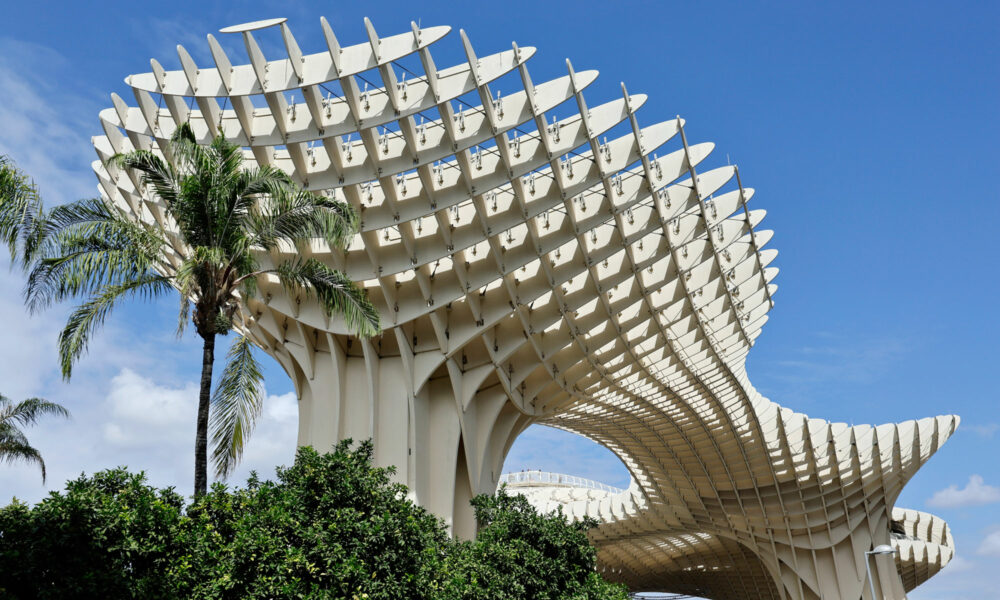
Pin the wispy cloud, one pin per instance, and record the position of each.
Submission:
(990, 546)
(975, 493)
(856, 360)
(959, 564)
(962, 579)
(160, 38)
(986, 430)
(45, 126)
(47, 117)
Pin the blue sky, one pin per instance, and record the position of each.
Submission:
(868, 130)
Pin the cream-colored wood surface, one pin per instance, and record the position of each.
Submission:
(530, 270)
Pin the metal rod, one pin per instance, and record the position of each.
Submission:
(871, 582)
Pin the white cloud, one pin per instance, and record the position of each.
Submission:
(990, 546)
(959, 564)
(46, 125)
(27, 354)
(986, 430)
(961, 579)
(145, 425)
(839, 358)
(143, 414)
(975, 493)
(153, 426)
(274, 440)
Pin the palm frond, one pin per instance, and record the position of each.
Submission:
(14, 445)
(236, 405)
(27, 412)
(337, 294)
(84, 272)
(11, 434)
(20, 210)
(183, 314)
(90, 315)
(247, 188)
(92, 212)
(68, 225)
(85, 245)
(295, 215)
(154, 172)
(11, 451)
(339, 220)
(197, 274)
(185, 149)
(244, 265)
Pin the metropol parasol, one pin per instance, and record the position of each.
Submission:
(538, 257)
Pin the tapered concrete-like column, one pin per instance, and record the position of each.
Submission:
(537, 258)
(441, 440)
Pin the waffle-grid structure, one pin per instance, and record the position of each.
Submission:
(530, 270)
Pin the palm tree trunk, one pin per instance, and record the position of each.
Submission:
(201, 438)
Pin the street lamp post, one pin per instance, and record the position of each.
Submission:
(882, 549)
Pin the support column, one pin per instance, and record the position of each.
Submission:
(837, 571)
(440, 434)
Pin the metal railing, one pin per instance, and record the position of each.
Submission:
(544, 477)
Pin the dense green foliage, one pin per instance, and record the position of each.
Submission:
(520, 553)
(110, 536)
(331, 526)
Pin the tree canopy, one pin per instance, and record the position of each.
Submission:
(521, 553)
(331, 526)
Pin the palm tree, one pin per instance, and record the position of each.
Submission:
(14, 445)
(230, 224)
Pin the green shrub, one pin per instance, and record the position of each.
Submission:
(520, 553)
(111, 536)
(331, 526)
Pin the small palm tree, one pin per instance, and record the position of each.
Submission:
(14, 445)
(227, 220)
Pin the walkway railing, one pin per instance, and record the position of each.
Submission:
(544, 477)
